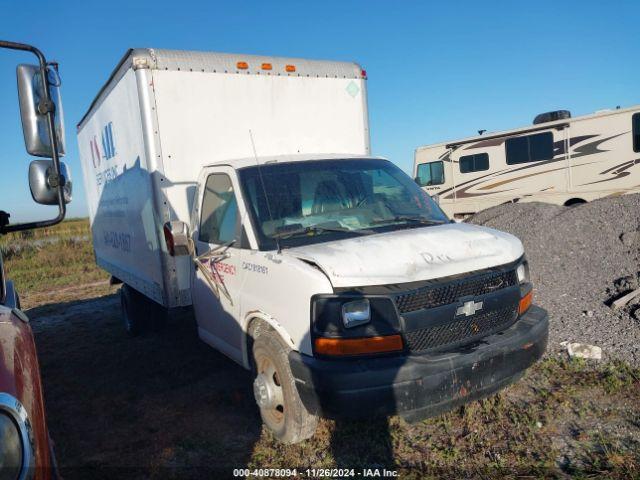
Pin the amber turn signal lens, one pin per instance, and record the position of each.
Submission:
(242, 65)
(290, 68)
(266, 66)
(525, 302)
(358, 346)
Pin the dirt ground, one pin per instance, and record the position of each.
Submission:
(168, 406)
(133, 407)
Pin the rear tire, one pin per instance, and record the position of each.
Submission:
(281, 408)
(139, 313)
(133, 314)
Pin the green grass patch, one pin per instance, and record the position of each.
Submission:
(48, 258)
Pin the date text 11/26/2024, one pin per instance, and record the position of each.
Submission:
(315, 473)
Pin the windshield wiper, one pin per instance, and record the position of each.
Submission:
(409, 219)
(314, 229)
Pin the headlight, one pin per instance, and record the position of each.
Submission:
(11, 451)
(16, 452)
(526, 290)
(350, 324)
(523, 272)
(356, 313)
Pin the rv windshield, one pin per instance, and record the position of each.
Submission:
(318, 201)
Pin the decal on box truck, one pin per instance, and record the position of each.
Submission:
(108, 146)
(108, 152)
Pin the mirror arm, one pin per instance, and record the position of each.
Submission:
(49, 107)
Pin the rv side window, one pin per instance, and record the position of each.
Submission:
(635, 120)
(219, 220)
(529, 148)
(474, 163)
(431, 173)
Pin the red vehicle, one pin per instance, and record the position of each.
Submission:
(25, 447)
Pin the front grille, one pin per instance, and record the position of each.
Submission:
(436, 296)
(465, 328)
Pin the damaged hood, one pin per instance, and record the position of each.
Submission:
(410, 255)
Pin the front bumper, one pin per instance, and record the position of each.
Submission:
(420, 386)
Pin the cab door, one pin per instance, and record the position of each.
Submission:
(218, 275)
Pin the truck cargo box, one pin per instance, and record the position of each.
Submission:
(164, 114)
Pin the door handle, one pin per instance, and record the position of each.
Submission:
(219, 258)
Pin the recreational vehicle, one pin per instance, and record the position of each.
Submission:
(243, 186)
(560, 160)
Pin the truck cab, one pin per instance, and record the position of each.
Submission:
(349, 292)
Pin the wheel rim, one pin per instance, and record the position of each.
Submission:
(268, 392)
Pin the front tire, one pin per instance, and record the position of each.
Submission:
(276, 394)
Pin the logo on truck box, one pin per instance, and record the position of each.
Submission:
(108, 146)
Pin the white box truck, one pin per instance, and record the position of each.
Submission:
(243, 186)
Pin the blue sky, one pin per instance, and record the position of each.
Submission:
(437, 70)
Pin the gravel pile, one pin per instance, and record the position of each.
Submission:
(582, 258)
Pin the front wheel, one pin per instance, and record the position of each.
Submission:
(276, 394)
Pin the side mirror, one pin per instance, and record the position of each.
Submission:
(176, 236)
(42, 182)
(33, 110)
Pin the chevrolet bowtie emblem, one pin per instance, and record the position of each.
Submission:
(469, 308)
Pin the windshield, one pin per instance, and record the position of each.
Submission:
(316, 201)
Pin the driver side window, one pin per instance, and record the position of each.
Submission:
(219, 221)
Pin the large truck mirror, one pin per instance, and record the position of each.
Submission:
(43, 182)
(34, 109)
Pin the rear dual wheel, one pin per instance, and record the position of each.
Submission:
(276, 394)
(139, 313)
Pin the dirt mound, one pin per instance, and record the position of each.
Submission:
(582, 258)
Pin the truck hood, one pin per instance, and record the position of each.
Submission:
(410, 255)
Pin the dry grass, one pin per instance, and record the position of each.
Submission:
(41, 260)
